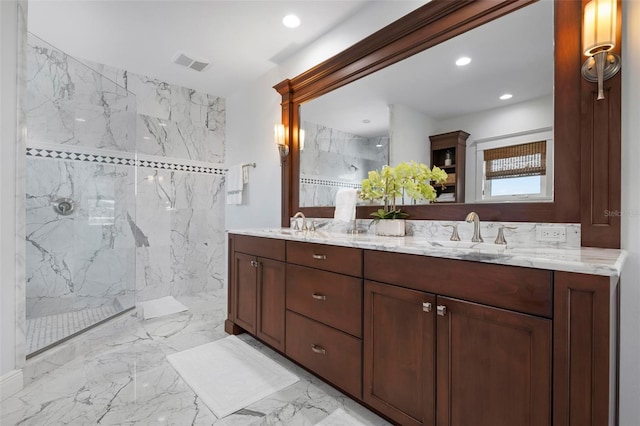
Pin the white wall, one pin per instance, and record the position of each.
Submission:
(630, 285)
(252, 112)
(409, 132)
(8, 135)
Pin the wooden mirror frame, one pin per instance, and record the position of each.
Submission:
(587, 132)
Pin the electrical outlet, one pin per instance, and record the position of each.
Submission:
(551, 233)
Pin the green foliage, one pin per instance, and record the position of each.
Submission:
(410, 179)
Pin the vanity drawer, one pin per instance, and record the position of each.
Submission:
(516, 288)
(331, 354)
(344, 260)
(331, 298)
(269, 248)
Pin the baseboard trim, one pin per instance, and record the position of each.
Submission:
(11, 383)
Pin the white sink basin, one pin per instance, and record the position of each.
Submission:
(281, 231)
(469, 246)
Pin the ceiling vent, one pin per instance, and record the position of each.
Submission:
(189, 62)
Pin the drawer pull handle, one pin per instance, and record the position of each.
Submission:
(319, 296)
(426, 306)
(320, 256)
(442, 310)
(318, 349)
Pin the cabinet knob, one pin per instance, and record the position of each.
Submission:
(442, 310)
(320, 256)
(426, 306)
(319, 296)
(318, 349)
(254, 264)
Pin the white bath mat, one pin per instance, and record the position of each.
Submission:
(340, 418)
(229, 375)
(161, 307)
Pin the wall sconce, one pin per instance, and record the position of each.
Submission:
(278, 133)
(598, 39)
(301, 139)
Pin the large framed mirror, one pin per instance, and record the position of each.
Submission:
(481, 82)
(429, 26)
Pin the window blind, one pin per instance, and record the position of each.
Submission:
(528, 159)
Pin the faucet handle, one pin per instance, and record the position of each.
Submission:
(500, 238)
(294, 224)
(454, 234)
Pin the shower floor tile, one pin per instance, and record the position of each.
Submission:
(43, 331)
(118, 374)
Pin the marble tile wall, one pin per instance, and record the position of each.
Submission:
(164, 234)
(86, 259)
(333, 159)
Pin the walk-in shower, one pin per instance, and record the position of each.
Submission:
(80, 197)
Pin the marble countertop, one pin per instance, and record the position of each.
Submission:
(587, 260)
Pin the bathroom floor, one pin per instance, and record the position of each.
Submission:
(118, 374)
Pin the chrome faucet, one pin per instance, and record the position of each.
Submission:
(473, 217)
(304, 221)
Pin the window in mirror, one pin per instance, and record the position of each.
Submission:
(510, 170)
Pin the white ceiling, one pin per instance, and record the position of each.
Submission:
(513, 54)
(243, 39)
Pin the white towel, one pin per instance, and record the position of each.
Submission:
(235, 184)
(346, 204)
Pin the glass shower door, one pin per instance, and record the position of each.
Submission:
(80, 250)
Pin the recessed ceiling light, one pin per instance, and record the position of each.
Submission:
(506, 96)
(463, 60)
(291, 21)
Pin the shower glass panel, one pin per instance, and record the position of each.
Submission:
(80, 197)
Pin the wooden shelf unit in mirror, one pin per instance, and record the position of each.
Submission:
(584, 191)
(448, 151)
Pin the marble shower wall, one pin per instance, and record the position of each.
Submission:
(333, 159)
(86, 259)
(180, 246)
(84, 132)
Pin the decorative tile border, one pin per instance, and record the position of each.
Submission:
(109, 159)
(329, 182)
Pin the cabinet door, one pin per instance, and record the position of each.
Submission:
(246, 291)
(399, 342)
(494, 366)
(271, 303)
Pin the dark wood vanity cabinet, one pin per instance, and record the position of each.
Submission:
(257, 290)
(324, 312)
(434, 341)
(432, 359)
(400, 348)
(493, 366)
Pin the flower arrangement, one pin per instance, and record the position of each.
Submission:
(410, 179)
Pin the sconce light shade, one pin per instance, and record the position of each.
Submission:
(599, 32)
(598, 38)
(301, 139)
(278, 135)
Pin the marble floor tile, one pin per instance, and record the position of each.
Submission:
(117, 374)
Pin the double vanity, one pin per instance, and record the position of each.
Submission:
(446, 333)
